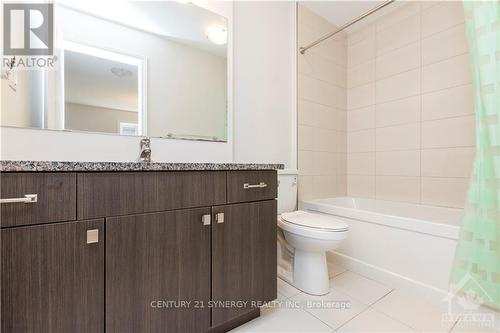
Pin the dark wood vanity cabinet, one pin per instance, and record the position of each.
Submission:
(243, 258)
(52, 278)
(155, 264)
(137, 251)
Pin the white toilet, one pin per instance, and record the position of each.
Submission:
(307, 237)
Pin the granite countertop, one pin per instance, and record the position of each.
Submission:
(61, 166)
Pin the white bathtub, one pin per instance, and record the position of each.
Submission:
(404, 245)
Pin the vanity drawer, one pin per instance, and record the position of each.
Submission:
(55, 198)
(102, 194)
(245, 186)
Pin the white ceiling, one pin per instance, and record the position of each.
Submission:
(88, 80)
(183, 22)
(341, 12)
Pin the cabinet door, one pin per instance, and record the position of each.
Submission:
(158, 272)
(243, 258)
(52, 278)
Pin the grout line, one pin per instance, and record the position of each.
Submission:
(348, 321)
(407, 97)
(405, 45)
(309, 76)
(408, 123)
(400, 150)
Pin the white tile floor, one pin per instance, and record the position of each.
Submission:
(358, 304)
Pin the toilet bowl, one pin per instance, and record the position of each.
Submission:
(311, 235)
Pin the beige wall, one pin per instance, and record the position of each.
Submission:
(96, 119)
(321, 110)
(410, 118)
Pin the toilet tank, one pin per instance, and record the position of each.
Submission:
(287, 190)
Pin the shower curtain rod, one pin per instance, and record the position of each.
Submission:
(303, 49)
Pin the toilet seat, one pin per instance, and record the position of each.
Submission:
(309, 225)
(314, 221)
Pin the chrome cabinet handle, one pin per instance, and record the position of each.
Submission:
(206, 219)
(247, 186)
(28, 198)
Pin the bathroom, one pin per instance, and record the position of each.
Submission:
(274, 166)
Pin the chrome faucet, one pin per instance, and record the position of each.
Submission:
(145, 155)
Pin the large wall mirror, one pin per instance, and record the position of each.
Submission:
(155, 68)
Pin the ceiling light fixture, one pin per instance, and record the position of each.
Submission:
(217, 34)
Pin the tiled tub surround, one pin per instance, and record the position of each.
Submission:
(322, 105)
(410, 119)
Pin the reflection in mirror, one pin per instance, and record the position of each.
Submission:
(155, 68)
(101, 91)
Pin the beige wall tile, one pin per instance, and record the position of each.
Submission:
(429, 4)
(361, 164)
(407, 10)
(361, 186)
(451, 102)
(305, 189)
(324, 163)
(398, 35)
(361, 141)
(399, 60)
(340, 120)
(335, 49)
(401, 111)
(305, 17)
(447, 162)
(337, 97)
(441, 17)
(361, 74)
(451, 132)
(327, 70)
(405, 189)
(398, 86)
(324, 186)
(322, 105)
(306, 164)
(306, 89)
(445, 44)
(305, 112)
(361, 52)
(445, 74)
(341, 163)
(341, 183)
(341, 142)
(305, 63)
(449, 192)
(305, 137)
(359, 119)
(324, 140)
(324, 117)
(306, 34)
(398, 163)
(401, 137)
(361, 34)
(361, 96)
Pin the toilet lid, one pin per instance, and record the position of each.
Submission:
(312, 220)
